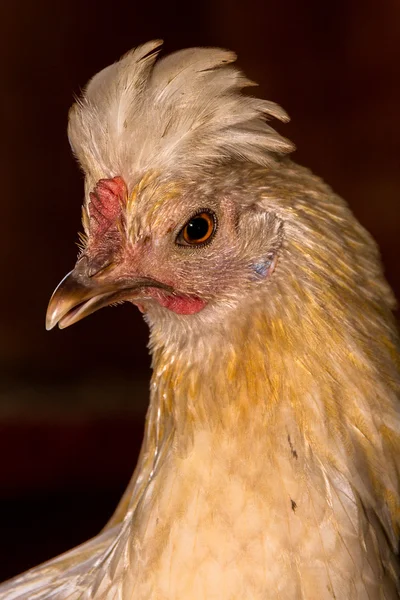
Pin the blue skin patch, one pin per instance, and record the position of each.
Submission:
(262, 268)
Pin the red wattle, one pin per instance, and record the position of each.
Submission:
(181, 305)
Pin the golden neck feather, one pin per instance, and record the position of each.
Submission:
(317, 371)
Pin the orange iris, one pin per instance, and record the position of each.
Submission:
(199, 229)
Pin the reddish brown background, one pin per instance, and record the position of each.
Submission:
(72, 402)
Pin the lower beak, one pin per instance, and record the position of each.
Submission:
(78, 296)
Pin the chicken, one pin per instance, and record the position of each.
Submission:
(270, 462)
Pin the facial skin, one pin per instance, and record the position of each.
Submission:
(138, 248)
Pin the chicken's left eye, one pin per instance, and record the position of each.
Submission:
(198, 230)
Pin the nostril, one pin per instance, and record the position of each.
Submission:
(90, 267)
(96, 268)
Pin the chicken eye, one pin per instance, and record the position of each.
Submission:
(198, 230)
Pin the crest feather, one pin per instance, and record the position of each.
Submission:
(182, 112)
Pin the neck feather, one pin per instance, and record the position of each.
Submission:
(279, 373)
(284, 369)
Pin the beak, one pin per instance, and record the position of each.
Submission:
(78, 296)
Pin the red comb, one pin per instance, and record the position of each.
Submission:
(106, 204)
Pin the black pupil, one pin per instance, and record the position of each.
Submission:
(197, 228)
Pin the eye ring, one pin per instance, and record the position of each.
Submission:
(199, 229)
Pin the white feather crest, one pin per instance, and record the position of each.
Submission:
(181, 112)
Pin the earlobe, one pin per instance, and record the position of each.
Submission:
(264, 267)
(265, 233)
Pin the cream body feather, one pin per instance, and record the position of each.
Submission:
(271, 455)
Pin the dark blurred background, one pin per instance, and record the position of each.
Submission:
(72, 402)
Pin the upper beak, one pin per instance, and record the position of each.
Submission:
(74, 298)
(78, 295)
